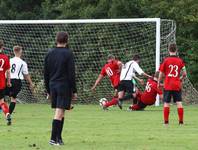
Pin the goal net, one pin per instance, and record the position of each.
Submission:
(91, 42)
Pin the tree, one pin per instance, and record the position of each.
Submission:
(20, 9)
(185, 13)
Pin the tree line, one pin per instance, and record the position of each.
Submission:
(184, 12)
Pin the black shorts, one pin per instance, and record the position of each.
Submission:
(61, 96)
(2, 93)
(126, 86)
(141, 104)
(176, 95)
(14, 90)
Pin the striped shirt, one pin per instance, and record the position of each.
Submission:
(18, 68)
(129, 70)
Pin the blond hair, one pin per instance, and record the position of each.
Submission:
(17, 48)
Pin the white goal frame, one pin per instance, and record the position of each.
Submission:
(156, 20)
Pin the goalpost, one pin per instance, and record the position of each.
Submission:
(91, 40)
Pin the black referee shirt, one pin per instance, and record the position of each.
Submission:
(59, 67)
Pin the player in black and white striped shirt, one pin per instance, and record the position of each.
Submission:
(127, 74)
(18, 71)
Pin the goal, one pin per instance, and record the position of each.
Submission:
(91, 42)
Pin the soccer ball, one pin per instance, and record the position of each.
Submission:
(102, 101)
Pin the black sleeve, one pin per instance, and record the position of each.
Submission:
(71, 73)
(46, 75)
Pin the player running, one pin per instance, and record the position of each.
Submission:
(112, 70)
(4, 72)
(148, 97)
(18, 71)
(171, 67)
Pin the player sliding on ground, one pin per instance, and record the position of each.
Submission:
(107, 104)
(172, 67)
(18, 72)
(148, 97)
(112, 70)
(4, 72)
(127, 73)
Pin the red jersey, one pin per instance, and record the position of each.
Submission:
(150, 92)
(112, 70)
(171, 67)
(4, 66)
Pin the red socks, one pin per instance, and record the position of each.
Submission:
(114, 101)
(5, 108)
(166, 114)
(180, 115)
(135, 107)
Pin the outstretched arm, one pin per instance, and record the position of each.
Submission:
(140, 71)
(100, 77)
(139, 80)
(29, 80)
(146, 75)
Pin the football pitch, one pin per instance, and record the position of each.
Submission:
(87, 127)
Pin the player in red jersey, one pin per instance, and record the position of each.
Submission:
(4, 70)
(172, 67)
(107, 104)
(148, 97)
(112, 70)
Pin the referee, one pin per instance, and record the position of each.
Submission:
(59, 76)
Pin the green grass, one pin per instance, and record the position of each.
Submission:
(88, 127)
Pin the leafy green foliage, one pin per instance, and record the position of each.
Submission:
(184, 12)
(20, 9)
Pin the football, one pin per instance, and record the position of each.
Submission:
(102, 101)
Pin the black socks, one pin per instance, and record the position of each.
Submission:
(61, 128)
(11, 107)
(56, 129)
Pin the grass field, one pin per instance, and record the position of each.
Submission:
(88, 127)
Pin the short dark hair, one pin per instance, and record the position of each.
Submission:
(136, 57)
(62, 37)
(110, 56)
(156, 75)
(172, 47)
(1, 44)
